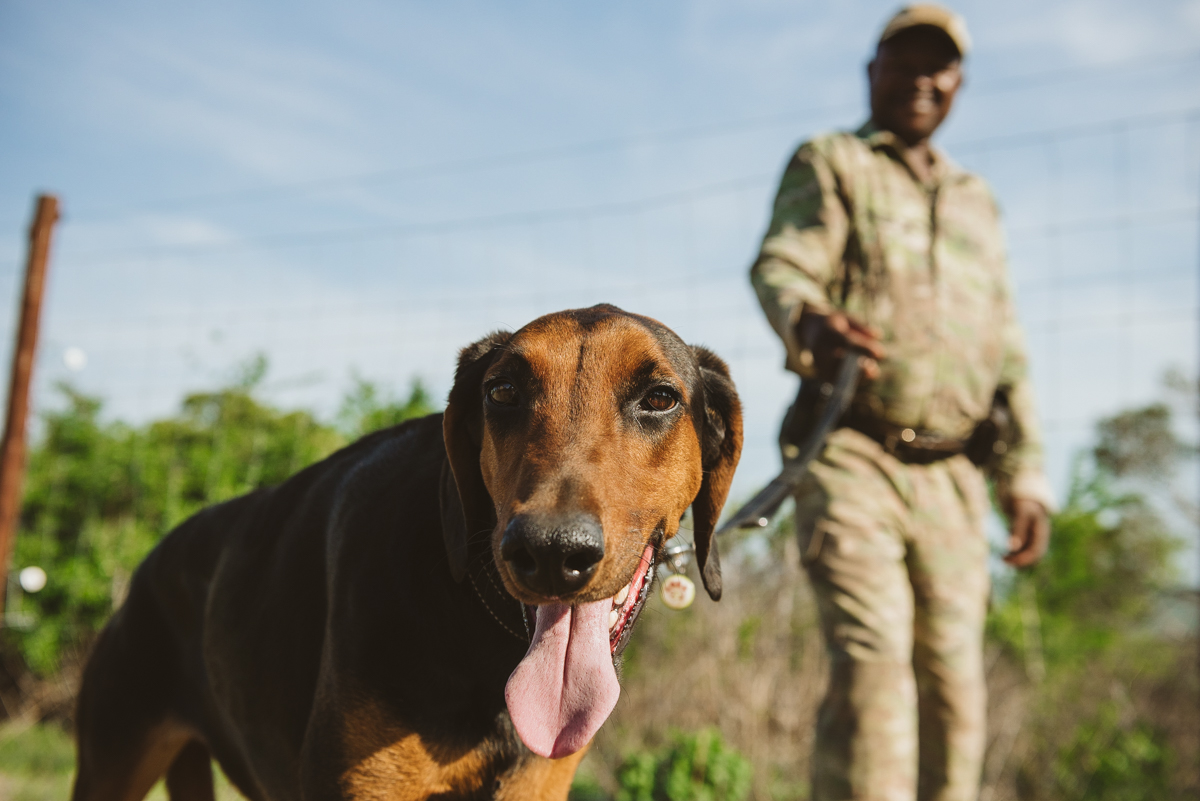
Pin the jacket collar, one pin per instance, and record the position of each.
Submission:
(943, 167)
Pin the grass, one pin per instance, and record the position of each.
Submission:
(38, 764)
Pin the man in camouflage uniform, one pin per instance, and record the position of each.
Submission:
(880, 242)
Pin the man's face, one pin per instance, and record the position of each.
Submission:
(914, 78)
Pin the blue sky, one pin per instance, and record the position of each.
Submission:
(368, 186)
(119, 105)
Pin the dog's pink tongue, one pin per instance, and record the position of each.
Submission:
(565, 687)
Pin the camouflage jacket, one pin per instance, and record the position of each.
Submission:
(854, 229)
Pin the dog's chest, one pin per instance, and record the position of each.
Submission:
(398, 765)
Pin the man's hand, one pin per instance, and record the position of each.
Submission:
(1030, 533)
(828, 336)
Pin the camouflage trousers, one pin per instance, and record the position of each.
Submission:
(897, 557)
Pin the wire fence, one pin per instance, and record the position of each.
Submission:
(1103, 223)
(148, 303)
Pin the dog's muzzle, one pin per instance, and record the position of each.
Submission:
(553, 557)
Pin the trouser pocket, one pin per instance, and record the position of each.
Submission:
(812, 543)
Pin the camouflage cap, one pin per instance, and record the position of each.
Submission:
(929, 14)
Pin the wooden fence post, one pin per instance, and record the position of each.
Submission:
(12, 448)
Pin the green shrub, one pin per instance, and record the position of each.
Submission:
(691, 767)
(100, 494)
(368, 408)
(1107, 760)
(1111, 558)
(1088, 625)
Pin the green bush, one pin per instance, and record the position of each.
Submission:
(691, 767)
(1112, 760)
(1111, 555)
(1108, 705)
(100, 494)
(367, 407)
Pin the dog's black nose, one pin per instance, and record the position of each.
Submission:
(553, 557)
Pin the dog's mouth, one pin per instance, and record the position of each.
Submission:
(624, 612)
(566, 686)
(627, 604)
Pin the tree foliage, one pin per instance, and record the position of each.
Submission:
(367, 407)
(99, 494)
(1103, 577)
(1138, 442)
(1088, 618)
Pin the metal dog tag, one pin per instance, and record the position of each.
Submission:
(678, 591)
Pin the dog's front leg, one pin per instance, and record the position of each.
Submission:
(539, 779)
(356, 751)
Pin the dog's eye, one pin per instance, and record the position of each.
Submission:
(659, 400)
(502, 393)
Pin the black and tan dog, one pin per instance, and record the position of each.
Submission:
(434, 611)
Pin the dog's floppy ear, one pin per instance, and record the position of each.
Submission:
(467, 509)
(720, 448)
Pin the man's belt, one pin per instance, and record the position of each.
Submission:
(906, 444)
(911, 446)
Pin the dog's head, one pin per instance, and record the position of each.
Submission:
(576, 445)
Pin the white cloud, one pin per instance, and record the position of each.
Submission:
(269, 110)
(804, 50)
(1097, 32)
(142, 231)
(174, 97)
(1091, 31)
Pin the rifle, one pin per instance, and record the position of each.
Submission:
(677, 589)
(758, 511)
